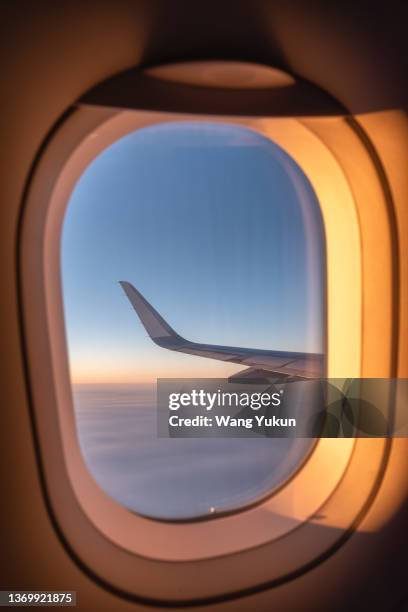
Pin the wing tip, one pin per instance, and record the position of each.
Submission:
(123, 283)
(156, 326)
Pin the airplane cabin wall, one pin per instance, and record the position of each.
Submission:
(53, 53)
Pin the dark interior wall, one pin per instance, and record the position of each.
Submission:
(54, 51)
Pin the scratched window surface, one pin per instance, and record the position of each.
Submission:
(221, 233)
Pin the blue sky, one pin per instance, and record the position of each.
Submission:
(208, 222)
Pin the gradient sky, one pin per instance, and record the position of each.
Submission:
(209, 222)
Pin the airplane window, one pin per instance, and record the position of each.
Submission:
(214, 227)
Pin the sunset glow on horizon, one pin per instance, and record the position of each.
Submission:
(83, 373)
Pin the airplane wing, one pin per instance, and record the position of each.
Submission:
(260, 363)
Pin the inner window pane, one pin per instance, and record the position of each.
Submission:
(220, 230)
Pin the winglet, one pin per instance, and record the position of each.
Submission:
(158, 329)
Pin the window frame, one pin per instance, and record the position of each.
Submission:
(133, 557)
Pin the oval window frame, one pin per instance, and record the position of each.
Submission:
(85, 534)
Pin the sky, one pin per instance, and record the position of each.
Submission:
(220, 231)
